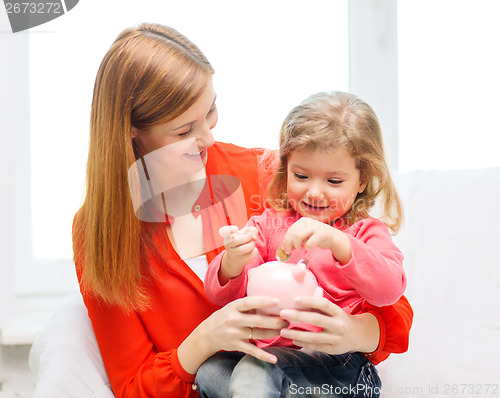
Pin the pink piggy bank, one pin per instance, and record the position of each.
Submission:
(284, 281)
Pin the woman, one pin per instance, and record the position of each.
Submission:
(145, 232)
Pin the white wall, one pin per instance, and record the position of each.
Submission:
(373, 72)
(14, 130)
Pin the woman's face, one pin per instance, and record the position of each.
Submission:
(182, 143)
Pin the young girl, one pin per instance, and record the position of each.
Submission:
(332, 169)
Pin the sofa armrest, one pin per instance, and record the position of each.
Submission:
(65, 357)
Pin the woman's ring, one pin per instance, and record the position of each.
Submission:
(250, 334)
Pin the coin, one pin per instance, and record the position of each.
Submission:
(282, 255)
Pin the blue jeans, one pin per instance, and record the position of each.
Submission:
(298, 373)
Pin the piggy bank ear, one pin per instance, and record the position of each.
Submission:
(299, 272)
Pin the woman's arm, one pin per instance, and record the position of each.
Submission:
(340, 333)
(378, 331)
(135, 367)
(229, 329)
(395, 323)
(138, 367)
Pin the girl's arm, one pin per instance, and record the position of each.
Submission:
(375, 268)
(221, 291)
(222, 287)
(240, 249)
(365, 253)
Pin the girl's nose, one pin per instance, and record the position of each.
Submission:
(315, 193)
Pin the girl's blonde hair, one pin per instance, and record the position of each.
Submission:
(340, 120)
(150, 75)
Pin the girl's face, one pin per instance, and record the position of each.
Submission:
(184, 140)
(323, 184)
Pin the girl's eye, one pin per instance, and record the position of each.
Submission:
(212, 110)
(300, 176)
(335, 182)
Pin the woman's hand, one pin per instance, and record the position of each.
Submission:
(240, 248)
(309, 233)
(231, 328)
(341, 332)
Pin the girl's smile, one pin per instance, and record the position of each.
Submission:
(323, 184)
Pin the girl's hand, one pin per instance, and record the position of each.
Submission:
(240, 248)
(341, 332)
(309, 233)
(231, 327)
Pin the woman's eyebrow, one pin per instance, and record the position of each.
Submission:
(184, 125)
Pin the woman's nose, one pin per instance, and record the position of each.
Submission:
(205, 138)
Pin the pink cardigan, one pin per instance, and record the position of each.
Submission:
(374, 274)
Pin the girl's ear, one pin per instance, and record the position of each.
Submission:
(362, 184)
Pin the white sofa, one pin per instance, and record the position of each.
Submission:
(65, 357)
(450, 241)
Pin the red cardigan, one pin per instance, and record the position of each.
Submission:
(139, 349)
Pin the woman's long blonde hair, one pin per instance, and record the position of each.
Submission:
(150, 75)
(340, 120)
